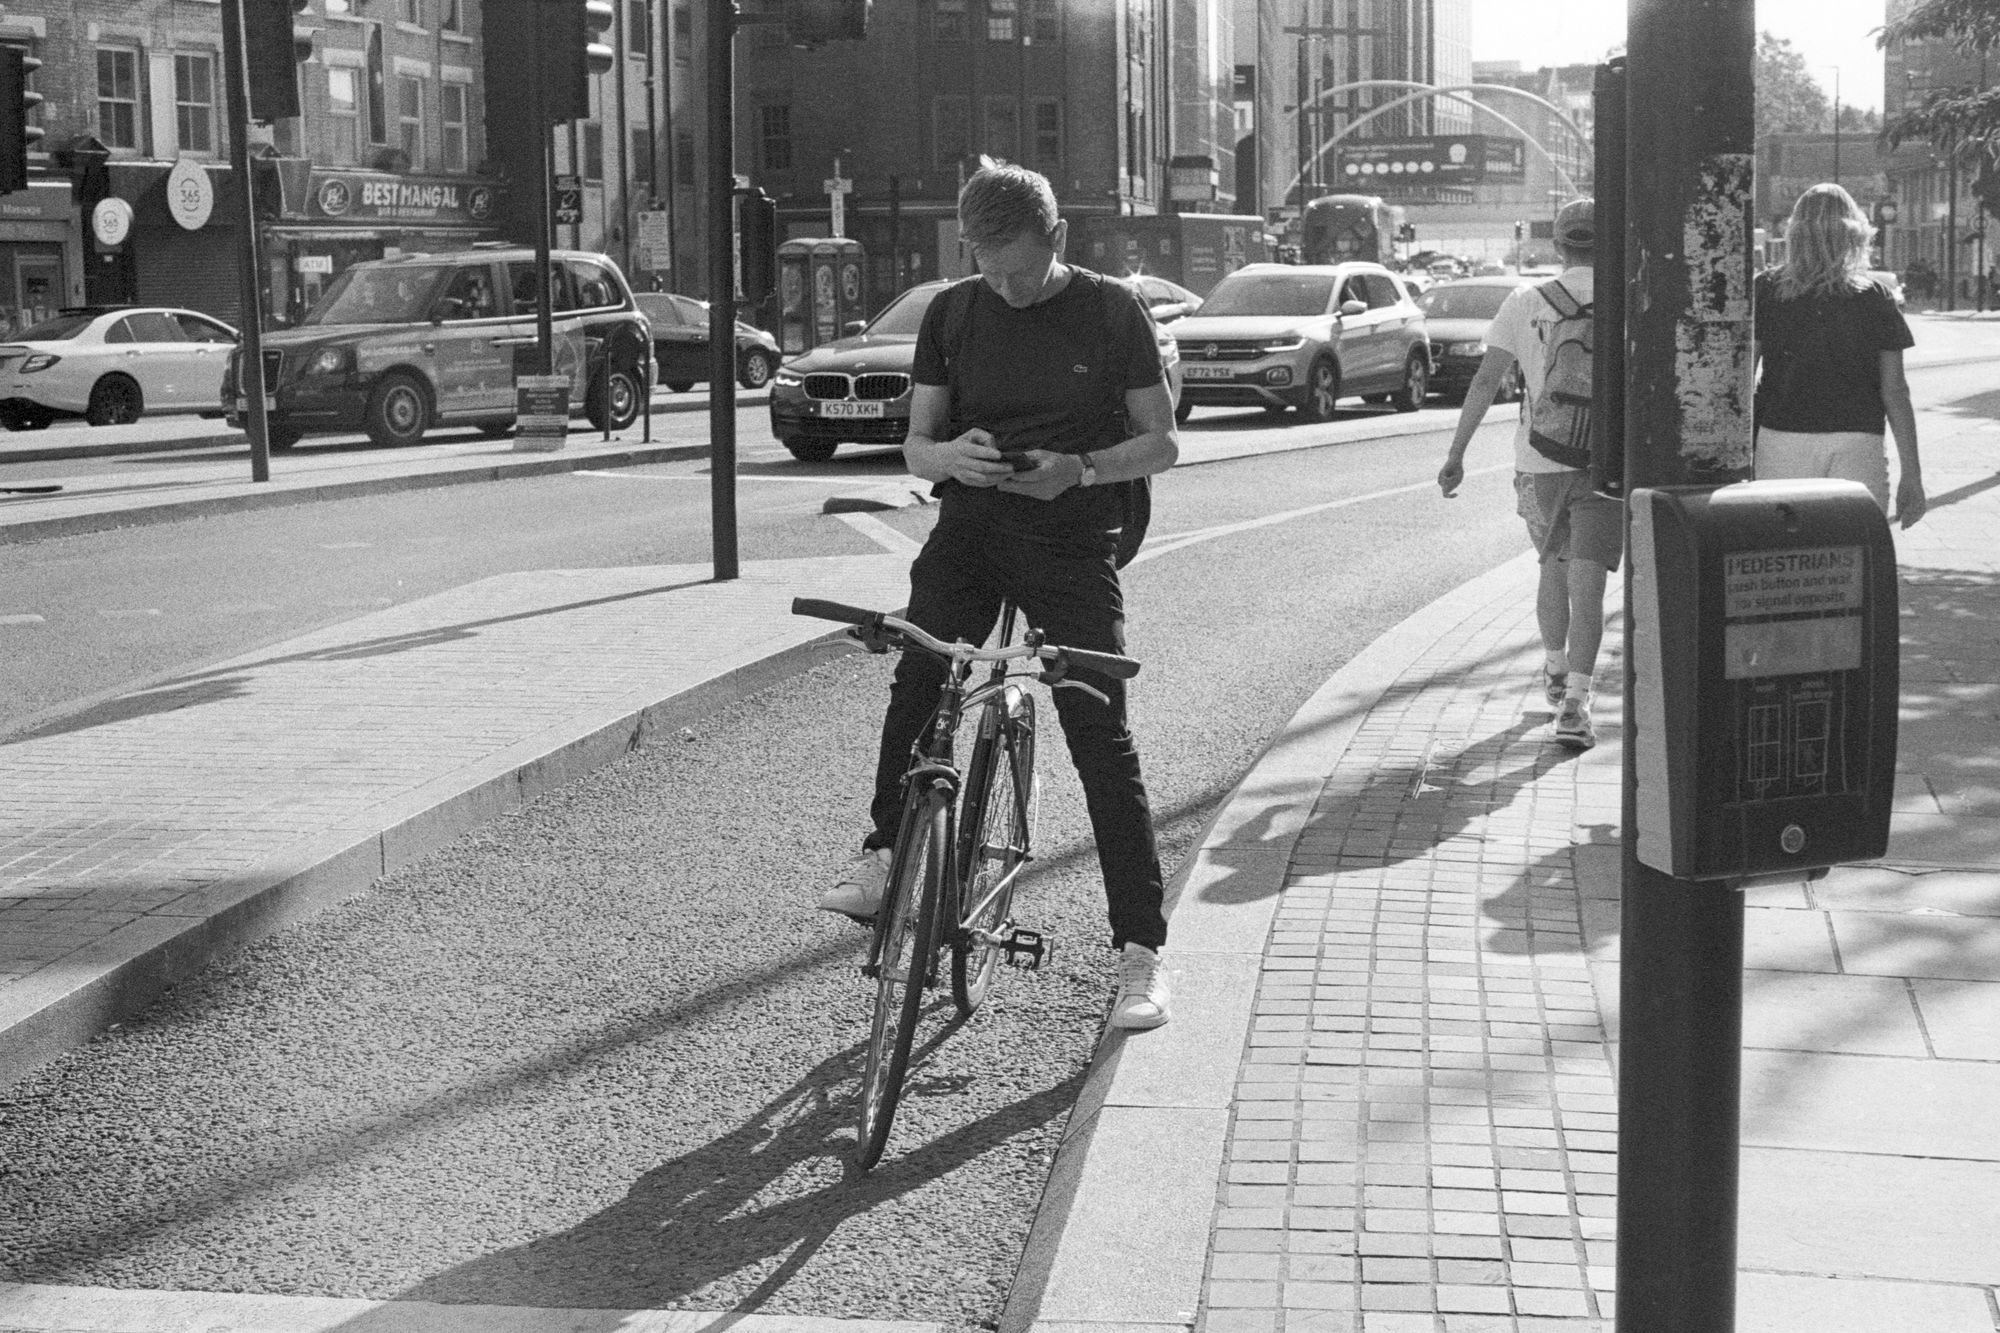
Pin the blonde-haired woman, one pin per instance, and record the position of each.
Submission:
(1831, 343)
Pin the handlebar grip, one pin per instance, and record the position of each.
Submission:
(1108, 664)
(823, 610)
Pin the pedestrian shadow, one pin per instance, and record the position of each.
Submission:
(704, 1217)
(234, 681)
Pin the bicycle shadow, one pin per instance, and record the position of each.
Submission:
(734, 1203)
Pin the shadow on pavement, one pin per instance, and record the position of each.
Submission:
(231, 682)
(704, 1216)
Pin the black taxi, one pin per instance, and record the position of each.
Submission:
(396, 346)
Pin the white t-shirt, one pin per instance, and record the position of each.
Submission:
(1521, 327)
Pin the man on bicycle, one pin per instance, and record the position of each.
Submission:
(1059, 367)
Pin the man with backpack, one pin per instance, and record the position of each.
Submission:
(1578, 533)
(1039, 404)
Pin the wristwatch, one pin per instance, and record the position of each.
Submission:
(1089, 477)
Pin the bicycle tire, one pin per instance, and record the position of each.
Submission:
(994, 840)
(909, 955)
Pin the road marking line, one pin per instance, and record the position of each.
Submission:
(889, 539)
(704, 477)
(344, 546)
(23, 618)
(1167, 544)
(129, 614)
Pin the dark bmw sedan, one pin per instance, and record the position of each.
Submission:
(855, 390)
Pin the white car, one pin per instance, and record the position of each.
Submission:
(113, 364)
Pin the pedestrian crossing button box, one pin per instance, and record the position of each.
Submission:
(1765, 684)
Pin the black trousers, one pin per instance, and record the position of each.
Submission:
(956, 587)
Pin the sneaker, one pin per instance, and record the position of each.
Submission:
(1573, 728)
(859, 892)
(1142, 989)
(1555, 684)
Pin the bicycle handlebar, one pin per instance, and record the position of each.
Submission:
(1108, 664)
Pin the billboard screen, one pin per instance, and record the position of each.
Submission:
(1371, 166)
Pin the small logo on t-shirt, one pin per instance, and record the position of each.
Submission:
(1081, 369)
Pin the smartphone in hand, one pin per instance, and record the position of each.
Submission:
(1022, 463)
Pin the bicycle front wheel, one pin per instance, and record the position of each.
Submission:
(909, 931)
(998, 826)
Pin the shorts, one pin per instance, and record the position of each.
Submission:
(1569, 521)
(1847, 455)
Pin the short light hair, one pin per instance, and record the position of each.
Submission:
(1002, 201)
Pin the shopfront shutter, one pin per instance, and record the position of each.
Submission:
(193, 269)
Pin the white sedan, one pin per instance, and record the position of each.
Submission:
(113, 364)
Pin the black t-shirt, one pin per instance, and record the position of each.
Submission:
(1822, 358)
(1052, 376)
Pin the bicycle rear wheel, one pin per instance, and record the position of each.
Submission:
(996, 834)
(908, 956)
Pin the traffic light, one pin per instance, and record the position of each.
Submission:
(1407, 232)
(757, 240)
(17, 103)
(1885, 212)
(571, 46)
(811, 23)
(273, 48)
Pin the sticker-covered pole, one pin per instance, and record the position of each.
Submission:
(1689, 110)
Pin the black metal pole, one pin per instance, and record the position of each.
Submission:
(545, 332)
(1607, 446)
(1690, 100)
(721, 289)
(249, 266)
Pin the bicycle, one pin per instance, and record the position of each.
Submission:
(964, 837)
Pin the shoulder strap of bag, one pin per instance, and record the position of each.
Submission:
(1558, 296)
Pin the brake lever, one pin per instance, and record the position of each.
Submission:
(875, 638)
(1091, 690)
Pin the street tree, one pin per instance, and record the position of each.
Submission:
(1963, 120)
(1789, 99)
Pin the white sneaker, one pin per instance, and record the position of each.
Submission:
(1142, 989)
(859, 892)
(1574, 729)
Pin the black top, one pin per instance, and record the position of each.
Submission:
(1052, 376)
(1822, 358)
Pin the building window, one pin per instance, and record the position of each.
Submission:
(410, 11)
(378, 90)
(683, 34)
(684, 158)
(451, 113)
(1002, 20)
(638, 27)
(1048, 132)
(410, 119)
(948, 20)
(194, 103)
(451, 15)
(343, 104)
(951, 128)
(1047, 24)
(118, 98)
(775, 124)
(1002, 137)
(593, 150)
(642, 156)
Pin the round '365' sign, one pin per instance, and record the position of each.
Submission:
(190, 197)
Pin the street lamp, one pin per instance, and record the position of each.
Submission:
(1836, 122)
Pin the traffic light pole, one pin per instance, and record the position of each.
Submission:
(545, 224)
(249, 264)
(721, 288)
(1689, 110)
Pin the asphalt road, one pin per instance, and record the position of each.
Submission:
(601, 1052)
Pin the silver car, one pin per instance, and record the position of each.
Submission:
(1279, 336)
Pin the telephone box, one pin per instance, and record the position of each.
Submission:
(819, 291)
(1765, 689)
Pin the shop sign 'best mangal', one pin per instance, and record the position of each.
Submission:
(361, 197)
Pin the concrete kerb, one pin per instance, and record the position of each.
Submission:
(1120, 1241)
(63, 1007)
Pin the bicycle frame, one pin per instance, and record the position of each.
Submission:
(933, 767)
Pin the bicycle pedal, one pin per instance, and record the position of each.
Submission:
(1027, 948)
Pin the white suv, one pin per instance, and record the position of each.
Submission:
(1279, 336)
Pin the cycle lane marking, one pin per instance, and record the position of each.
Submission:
(1166, 545)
